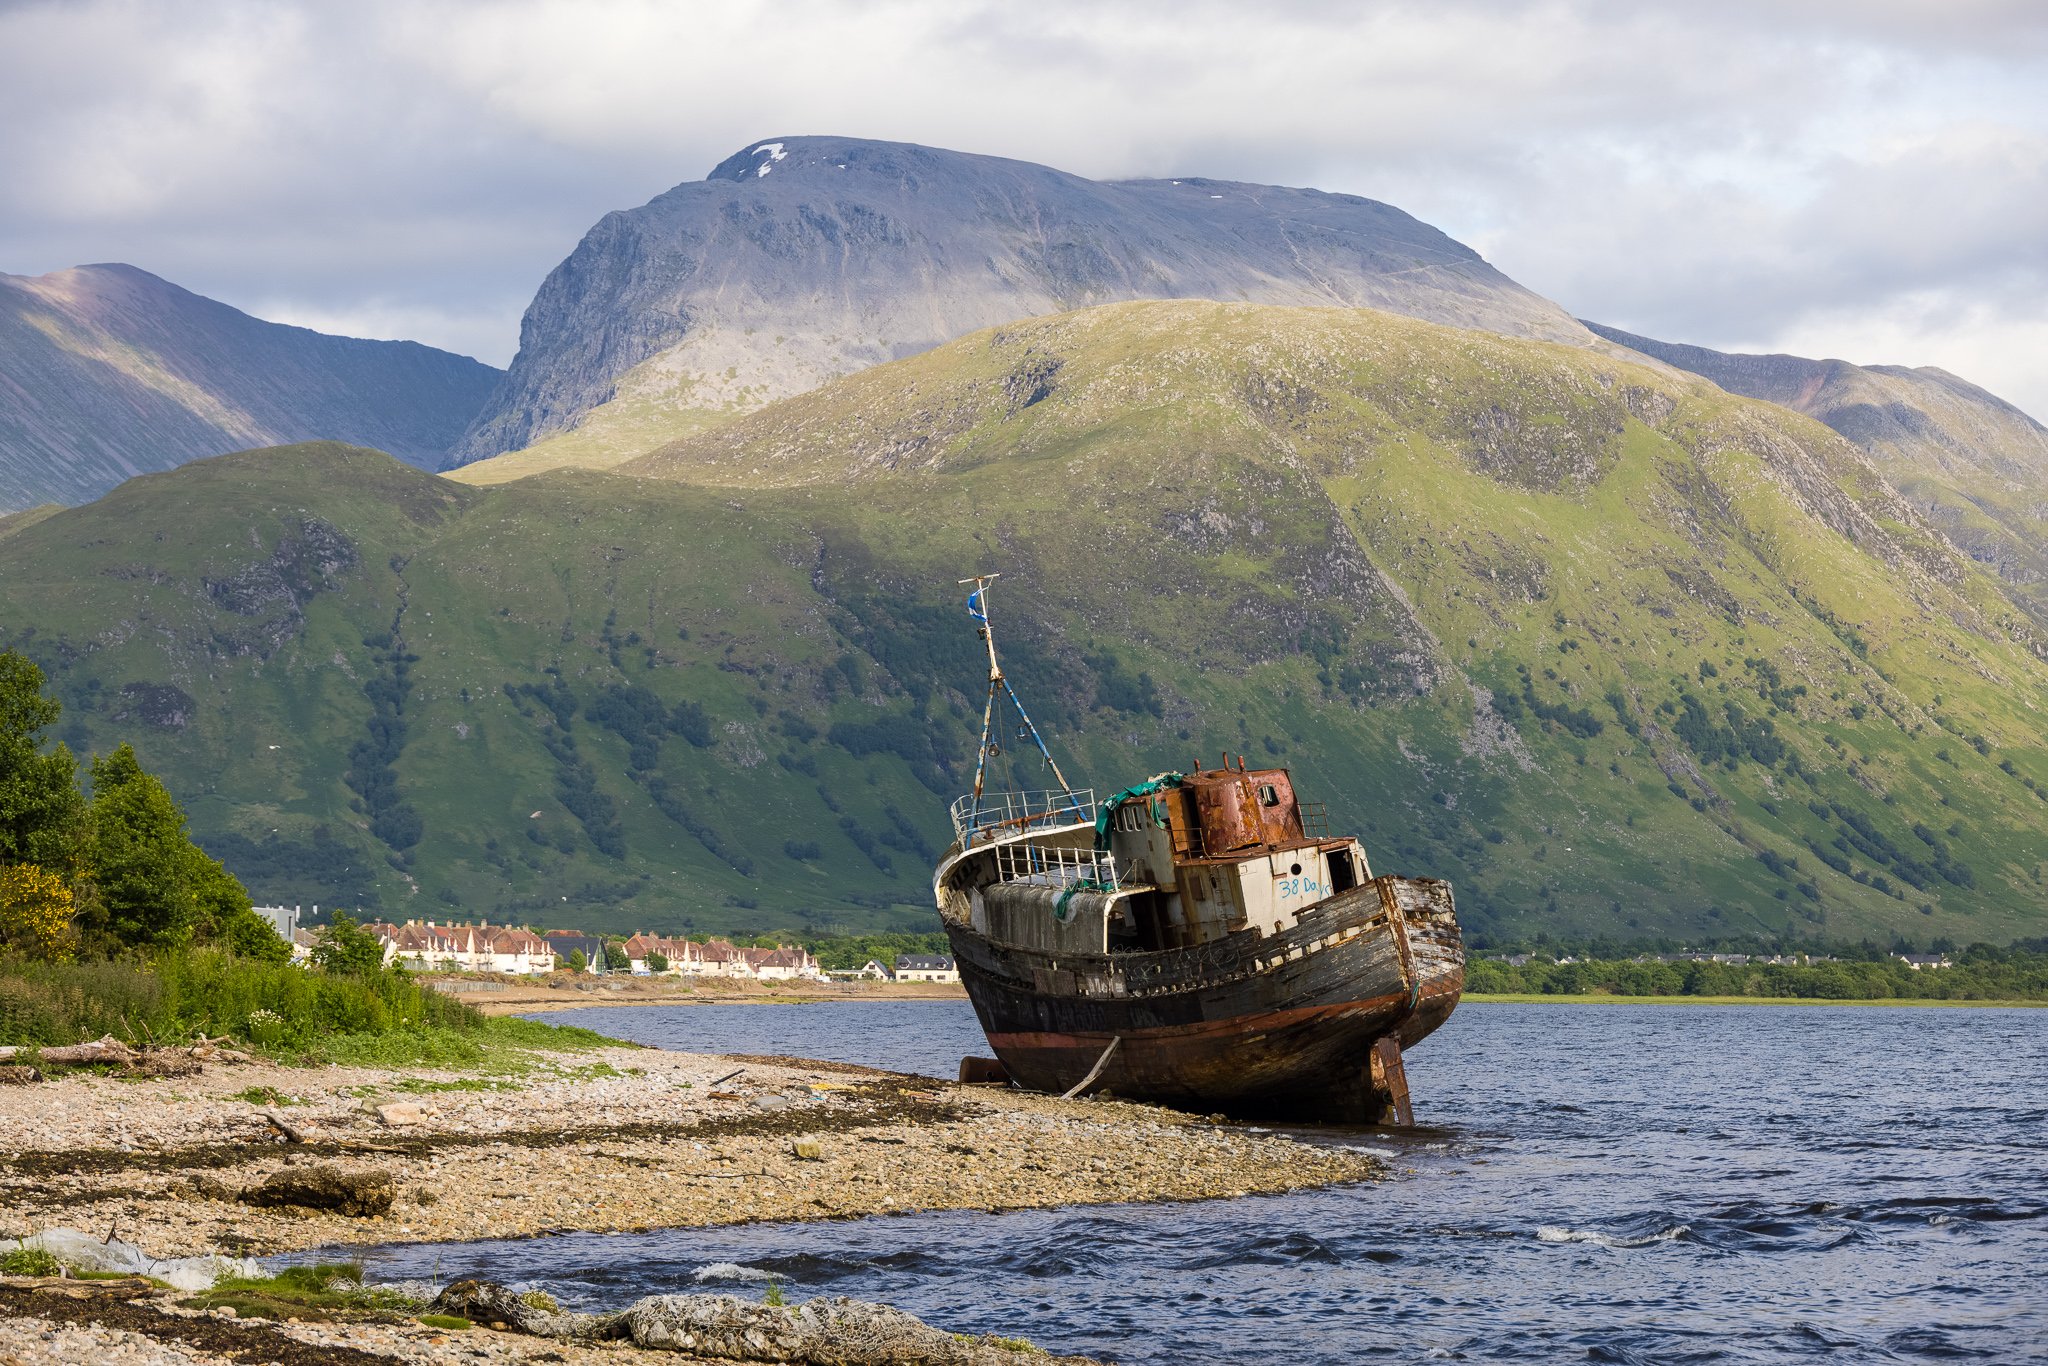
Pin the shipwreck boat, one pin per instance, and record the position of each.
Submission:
(1198, 940)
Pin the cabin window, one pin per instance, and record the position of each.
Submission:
(1269, 795)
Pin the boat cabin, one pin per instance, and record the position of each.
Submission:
(1179, 861)
(1222, 850)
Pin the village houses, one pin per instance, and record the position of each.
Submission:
(717, 958)
(430, 946)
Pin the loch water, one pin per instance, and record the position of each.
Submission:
(1598, 1183)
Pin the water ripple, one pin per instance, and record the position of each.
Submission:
(1612, 1184)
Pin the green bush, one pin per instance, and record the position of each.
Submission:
(278, 1007)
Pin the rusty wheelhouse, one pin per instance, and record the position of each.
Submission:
(1199, 939)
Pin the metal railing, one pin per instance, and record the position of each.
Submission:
(1051, 867)
(997, 815)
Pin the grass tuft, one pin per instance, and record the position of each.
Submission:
(324, 1293)
(29, 1261)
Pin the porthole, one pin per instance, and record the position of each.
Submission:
(1295, 870)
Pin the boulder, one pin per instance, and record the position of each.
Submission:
(489, 1303)
(401, 1112)
(359, 1194)
(822, 1332)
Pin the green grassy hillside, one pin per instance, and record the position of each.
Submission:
(1975, 466)
(1613, 650)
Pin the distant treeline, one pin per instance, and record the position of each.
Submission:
(847, 952)
(1980, 973)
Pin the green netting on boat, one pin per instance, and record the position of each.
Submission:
(1107, 811)
(1063, 908)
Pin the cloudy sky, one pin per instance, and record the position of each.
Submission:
(1855, 178)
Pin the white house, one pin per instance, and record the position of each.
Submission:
(431, 947)
(283, 919)
(683, 957)
(926, 968)
(781, 965)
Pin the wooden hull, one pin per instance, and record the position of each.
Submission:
(1277, 1026)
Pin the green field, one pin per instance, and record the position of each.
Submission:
(1615, 652)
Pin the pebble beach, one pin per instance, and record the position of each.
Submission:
(616, 1138)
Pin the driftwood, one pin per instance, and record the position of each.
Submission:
(210, 1050)
(108, 1049)
(134, 1288)
(284, 1126)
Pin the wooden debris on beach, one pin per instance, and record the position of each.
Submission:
(108, 1051)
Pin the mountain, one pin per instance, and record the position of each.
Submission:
(1974, 465)
(107, 372)
(1614, 650)
(799, 260)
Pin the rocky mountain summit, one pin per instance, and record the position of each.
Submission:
(1973, 464)
(806, 258)
(107, 371)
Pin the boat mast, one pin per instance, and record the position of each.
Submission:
(977, 607)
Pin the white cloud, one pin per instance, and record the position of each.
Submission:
(1836, 171)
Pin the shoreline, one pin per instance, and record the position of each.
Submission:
(609, 1139)
(522, 998)
(1606, 999)
(614, 1138)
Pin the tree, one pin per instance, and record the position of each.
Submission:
(346, 948)
(657, 962)
(42, 815)
(35, 913)
(141, 860)
(576, 961)
(225, 914)
(615, 958)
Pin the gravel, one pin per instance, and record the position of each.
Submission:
(164, 1162)
(614, 1139)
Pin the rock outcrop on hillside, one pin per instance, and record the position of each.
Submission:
(107, 372)
(1973, 464)
(800, 260)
